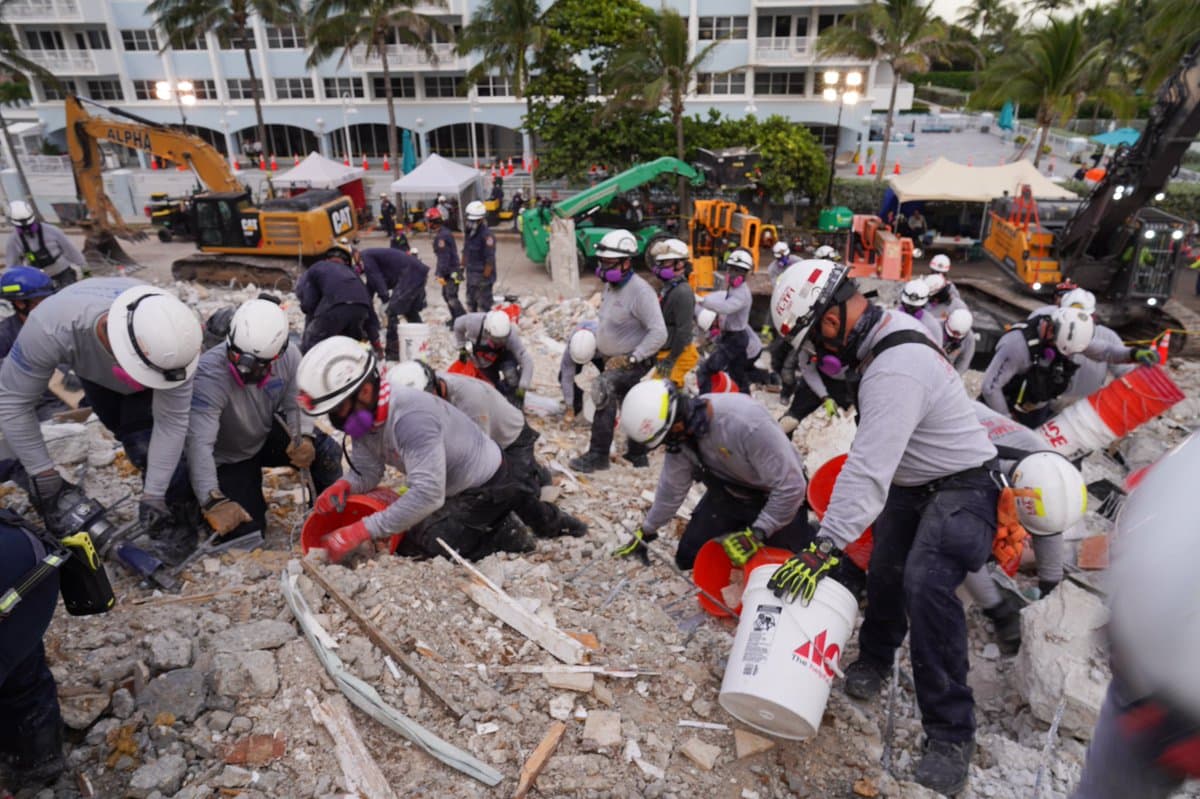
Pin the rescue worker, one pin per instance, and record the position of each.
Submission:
(753, 476)
(493, 345)
(444, 208)
(505, 425)
(671, 266)
(783, 259)
(921, 469)
(398, 280)
(944, 298)
(479, 258)
(913, 299)
(216, 327)
(580, 350)
(335, 301)
(733, 345)
(816, 383)
(1032, 364)
(134, 348)
(958, 339)
(447, 269)
(42, 246)
(517, 203)
(241, 390)
(1147, 738)
(1091, 375)
(630, 332)
(458, 487)
(387, 215)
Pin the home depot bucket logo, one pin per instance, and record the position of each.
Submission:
(817, 656)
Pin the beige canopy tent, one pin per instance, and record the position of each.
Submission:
(947, 181)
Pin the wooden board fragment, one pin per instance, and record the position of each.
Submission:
(537, 761)
(362, 772)
(514, 614)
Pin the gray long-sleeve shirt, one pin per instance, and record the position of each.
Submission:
(960, 353)
(1091, 375)
(468, 328)
(631, 321)
(568, 370)
(485, 406)
(916, 425)
(57, 244)
(778, 267)
(933, 326)
(441, 452)
(733, 306)
(942, 310)
(62, 330)
(229, 422)
(744, 446)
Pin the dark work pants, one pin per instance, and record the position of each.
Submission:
(28, 695)
(577, 392)
(242, 481)
(727, 510)
(450, 295)
(805, 401)
(1035, 418)
(603, 422)
(479, 292)
(729, 356)
(544, 518)
(505, 374)
(339, 320)
(925, 545)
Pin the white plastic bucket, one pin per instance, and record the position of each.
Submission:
(785, 656)
(414, 341)
(1077, 430)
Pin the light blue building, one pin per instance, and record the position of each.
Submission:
(108, 50)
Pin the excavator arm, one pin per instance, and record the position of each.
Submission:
(630, 179)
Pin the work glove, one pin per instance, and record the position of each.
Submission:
(463, 355)
(333, 498)
(457, 277)
(301, 452)
(830, 407)
(153, 513)
(46, 488)
(488, 271)
(1146, 357)
(619, 362)
(742, 545)
(520, 395)
(636, 545)
(601, 392)
(798, 577)
(788, 424)
(223, 514)
(663, 369)
(569, 415)
(344, 540)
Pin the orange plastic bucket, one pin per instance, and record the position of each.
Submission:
(358, 506)
(722, 383)
(820, 489)
(713, 572)
(467, 368)
(1135, 399)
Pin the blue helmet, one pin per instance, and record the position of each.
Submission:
(25, 283)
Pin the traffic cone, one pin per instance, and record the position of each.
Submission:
(346, 160)
(153, 162)
(511, 169)
(262, 162)
(970, 161)
(1164, 347)
(387, 165)
(274, 163)
(296, 159)
(236, 165)
(365, 165)
(874, 169)
(896, 168)
(1051, 169)
(861, 170)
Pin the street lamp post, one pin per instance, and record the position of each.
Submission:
(346, 110)
(320, 123)
(183, 92)
(474, 151)
(843, 90)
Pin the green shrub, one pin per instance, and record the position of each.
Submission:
(1182, 200)
(961, 81)
(859, 195)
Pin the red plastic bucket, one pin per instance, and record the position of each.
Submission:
(467, 368)
(1135, 399)
(722, 383)
(713, 572)
(358, 506)
(820, 489)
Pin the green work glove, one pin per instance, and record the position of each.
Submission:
(742, 545)
(830, 407)
(636, 545)
(798, 577)
(1146, 357)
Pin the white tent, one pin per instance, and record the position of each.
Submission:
(437, 175)
(317, 172)
(947, 181)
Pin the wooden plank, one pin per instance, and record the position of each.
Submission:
(537, 761)
(363, 776)
(380, 640)
(59, 389)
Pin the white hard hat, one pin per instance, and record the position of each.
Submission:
(705, 317)
(331, 371)
(383, 195)
(19, 212)
(740, 259)
(781, 249)
(617, 244)
(1153, 625)
(441, 198)
(825, 251)
(475, 211)
(940, 263)
(582, 346)
(936, 282)
(497, 325)
(1073, 330)
(154, 336)
(915, 294)
(648, 412)
(959, 322)
(259, 328)
(803, 292)
(1060, 495)
(1082, 299)
(670, 250)
(409, 374)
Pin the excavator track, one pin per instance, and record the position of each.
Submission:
(276, 274)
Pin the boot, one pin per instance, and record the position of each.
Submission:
(572, 527)
(589, 462)
(1006, 619)
(638, 460)
(39, 758)
(510, 535)
(945, 766)
(864, 679)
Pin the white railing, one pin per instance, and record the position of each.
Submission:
(42, 10)
(403, 55)
(46, 164)
(783, 48)
(63, 61)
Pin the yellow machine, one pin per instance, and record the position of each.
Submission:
(237, 240)
(718, 226)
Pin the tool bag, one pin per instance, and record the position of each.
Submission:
(83, 581)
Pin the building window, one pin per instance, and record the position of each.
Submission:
(205, 89)
(105, 90)
(294, 89)
(285, 37)
(44, 40)
(51, 91)
(402, 87)
(774, 26)
(336, 87)
(721, 83)
(494, 86)
(240, 88)
(189, 42)
(144, 90)
(139, 39)
(235, 42)
(827, 21)
(716, 28)
(780, 82)
(93, 39)
(442, 85)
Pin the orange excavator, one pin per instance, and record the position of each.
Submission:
(267, 244)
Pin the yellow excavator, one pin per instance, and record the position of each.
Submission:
(267, 244)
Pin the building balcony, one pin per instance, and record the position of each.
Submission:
(65, 62)
(20, 11)
(789, 49)
(404, 56)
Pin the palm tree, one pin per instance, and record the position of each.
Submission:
(339, 25)
(15, 90)
(655, 69)
(982, 15)
(1172, 28)
(231, 21)
(904, 34)
(1049, 69)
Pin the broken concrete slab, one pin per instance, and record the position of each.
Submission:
(265, 634)
(168, 649)
(602, 730)
(581, 681)
(747, 744)
(237, 674)
(702, 754)
(162, 776)
(181, 692)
